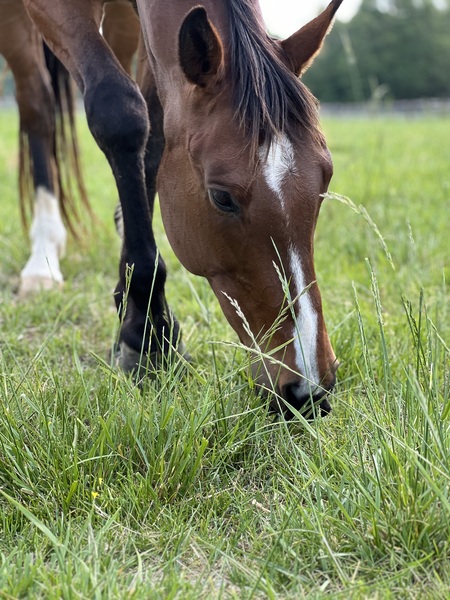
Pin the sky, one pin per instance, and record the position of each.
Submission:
(283, 17)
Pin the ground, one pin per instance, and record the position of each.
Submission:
(187, 487)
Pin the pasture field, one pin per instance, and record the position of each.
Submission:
(188, 487)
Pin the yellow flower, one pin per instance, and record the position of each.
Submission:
(94, 495)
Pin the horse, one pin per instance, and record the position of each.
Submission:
(48, 150)
(227, 133)
(48, 147)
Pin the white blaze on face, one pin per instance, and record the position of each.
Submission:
(305, 330)
(278, 163)
(48, 238)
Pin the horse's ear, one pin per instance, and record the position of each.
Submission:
(303, 46)
(199, 48)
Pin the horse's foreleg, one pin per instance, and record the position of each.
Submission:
(117, 117)
(165, 324)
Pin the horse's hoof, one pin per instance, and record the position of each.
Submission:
(34, 284)
(144, 365)
(131, 361)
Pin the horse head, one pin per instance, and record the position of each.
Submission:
(241, 183)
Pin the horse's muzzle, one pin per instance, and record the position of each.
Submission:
(309, 405)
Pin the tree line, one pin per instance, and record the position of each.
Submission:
(397, 49)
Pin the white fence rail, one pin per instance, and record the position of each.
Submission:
(406, 108)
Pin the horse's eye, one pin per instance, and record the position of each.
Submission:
(223, 200)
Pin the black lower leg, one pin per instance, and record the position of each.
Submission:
(40, 153)
(119, 122)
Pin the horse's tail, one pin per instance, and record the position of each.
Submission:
(65, 153)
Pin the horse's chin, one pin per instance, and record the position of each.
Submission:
(289, 401)
(309, 408)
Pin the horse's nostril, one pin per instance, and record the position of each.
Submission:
(307, 404)
(325, 407)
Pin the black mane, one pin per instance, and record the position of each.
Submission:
(268, 98)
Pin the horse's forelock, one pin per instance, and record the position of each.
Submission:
(269, 99)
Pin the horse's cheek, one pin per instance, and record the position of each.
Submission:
(181, 221)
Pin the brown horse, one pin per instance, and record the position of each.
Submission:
(48, 148)
(48, 154)
(243, 168)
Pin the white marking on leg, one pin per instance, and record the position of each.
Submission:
(48, 240)
(306, 327)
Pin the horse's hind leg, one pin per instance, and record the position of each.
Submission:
(121, 28)
(21, 45)
(48, 239)
(117, 117)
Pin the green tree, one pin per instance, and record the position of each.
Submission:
(399, 46)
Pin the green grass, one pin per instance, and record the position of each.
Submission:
(188, 488)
